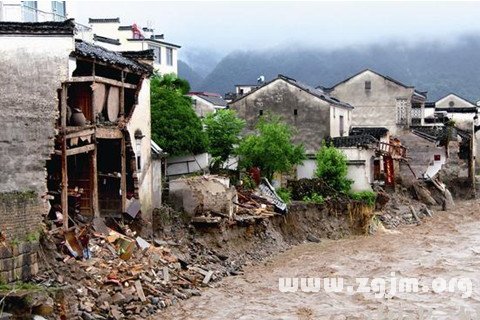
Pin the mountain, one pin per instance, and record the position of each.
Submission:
(187, 73)
(436, 67)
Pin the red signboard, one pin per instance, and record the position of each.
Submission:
(389, 171)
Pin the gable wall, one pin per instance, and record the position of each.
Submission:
(312, 124)
(374, 107)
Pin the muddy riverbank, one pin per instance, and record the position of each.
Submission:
(447, 246)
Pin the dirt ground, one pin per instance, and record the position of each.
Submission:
(446, 245)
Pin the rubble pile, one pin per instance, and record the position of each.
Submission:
(399, 208)
(111, 274)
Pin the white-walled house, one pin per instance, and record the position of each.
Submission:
(33, 11)
(380, 101)
(206, 102)
(360, 151)
(111, 33)
(457, 108)
(312, 113)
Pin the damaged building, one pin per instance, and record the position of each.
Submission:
(76, 133)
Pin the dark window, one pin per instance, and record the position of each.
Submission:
(157, 51)
(295, 112)
(368, 85)
(451, 103)
(169, 56)
(260, 113)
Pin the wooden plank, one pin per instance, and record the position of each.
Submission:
(109, 133)
(71, 152)
(94, 180)
(64, 194)
(122, 96)
(63, 107)
(123, 181)
(82, 133)
(112, 82)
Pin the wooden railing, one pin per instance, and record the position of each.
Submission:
(395, 151)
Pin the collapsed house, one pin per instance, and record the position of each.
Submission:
(82, 113)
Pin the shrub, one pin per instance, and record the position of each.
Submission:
(332, 168)
(368, 197)
(284, 194)
(314, 198)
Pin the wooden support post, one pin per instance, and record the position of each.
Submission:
(123, 179)
(63, 137)
(94, 113)
(64, 194)
(94, 179)
(122, 96)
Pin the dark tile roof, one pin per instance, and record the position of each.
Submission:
(104, 20)
(106, 40)
(124, 28)
(88, 50)
(458, 110)
(309, 89)
(351, 141)
(437, 133)
(216, 101)
(66, 27)
(376, 132)
(157, 41)
(142, 55)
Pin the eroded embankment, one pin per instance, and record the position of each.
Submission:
(303, 223)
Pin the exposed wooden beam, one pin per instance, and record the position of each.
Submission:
(112, 82)
(74, 151)
(82, 133)
(109, 133)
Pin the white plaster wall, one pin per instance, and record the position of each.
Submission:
(362, 175)
(457, 101)
(157, 183)
(140, 119)
(462, 117)
(306, 169)
(335, 113)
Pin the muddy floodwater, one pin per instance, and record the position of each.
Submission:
(442, 248)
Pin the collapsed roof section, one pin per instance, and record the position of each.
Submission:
(87, 50)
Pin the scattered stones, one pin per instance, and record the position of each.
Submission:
(312, 238)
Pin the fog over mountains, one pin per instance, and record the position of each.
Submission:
(436, 67)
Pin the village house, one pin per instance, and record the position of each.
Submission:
(379, 101)
(312, 113)
(110, 33)
(32, 11)
(206, 102)
(76, 129)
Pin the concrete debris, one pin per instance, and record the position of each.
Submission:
(198, 195)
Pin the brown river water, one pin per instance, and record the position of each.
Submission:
(446, 246)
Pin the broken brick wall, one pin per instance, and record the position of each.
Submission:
(32, 70)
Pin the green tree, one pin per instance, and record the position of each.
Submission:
(332, 168)
(272, 149)
(223, 129)
(175, 126)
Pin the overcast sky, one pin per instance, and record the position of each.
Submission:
(227, 25)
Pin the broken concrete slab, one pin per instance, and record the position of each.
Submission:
(196, 195)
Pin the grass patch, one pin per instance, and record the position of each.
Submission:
(367, 197)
